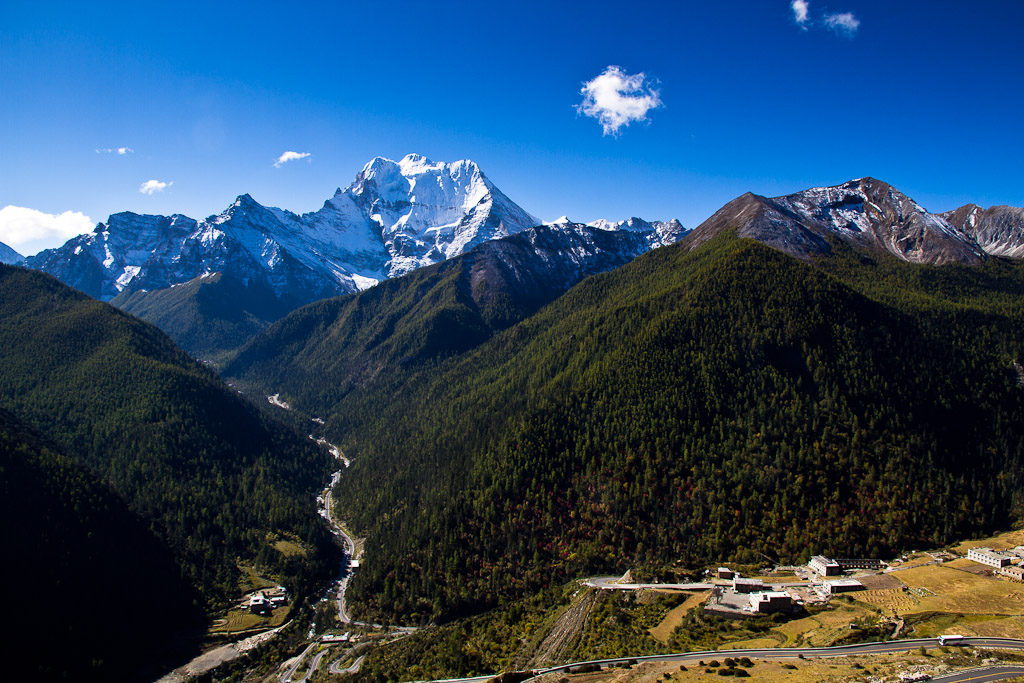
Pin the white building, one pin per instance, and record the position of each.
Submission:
(824, 566)
(258, 603)
(988, 557)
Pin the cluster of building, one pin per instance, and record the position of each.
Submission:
(334, 638)
(265, 602)
(749, 595)
(745, 596)
(1001, 561)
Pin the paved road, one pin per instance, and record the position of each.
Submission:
(313, 664)
(335, 667)
(607, 583)
(983, 675)
(290, 671)
(807, 652)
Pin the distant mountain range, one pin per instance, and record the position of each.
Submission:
(252, 264)
(522, 402)
(395, 217)
(213, 284)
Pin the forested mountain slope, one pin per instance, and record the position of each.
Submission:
(318, 354)
(728, 402)
(81, 569)
(216, 481)
(207, 315)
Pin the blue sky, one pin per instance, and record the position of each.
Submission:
(925, 95)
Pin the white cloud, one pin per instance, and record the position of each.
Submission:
(151, 186)
(616, 99)
(121, 151)
(19, 225)
(844, 23)
(800, 12)
(290, 156)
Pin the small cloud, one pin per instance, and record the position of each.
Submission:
(290, 156)
(616, 99)
(844, 23)
(800, 12)
(120, 151)
(153, 186)
(19, 225)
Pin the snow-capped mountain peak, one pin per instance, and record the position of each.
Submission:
(394, 217)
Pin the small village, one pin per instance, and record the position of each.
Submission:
(823, 577)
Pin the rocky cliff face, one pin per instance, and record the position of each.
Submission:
(999, 230)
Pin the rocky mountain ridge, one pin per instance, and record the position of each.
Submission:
(868, 214)
(999, 229)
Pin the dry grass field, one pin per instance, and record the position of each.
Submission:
(970, 625)
(663, 631)
(890, 601)
(873, 582)
(964, 592)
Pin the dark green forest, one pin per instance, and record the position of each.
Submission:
(210, 476)
(729, 403)
(207, 315)
(81, 572)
